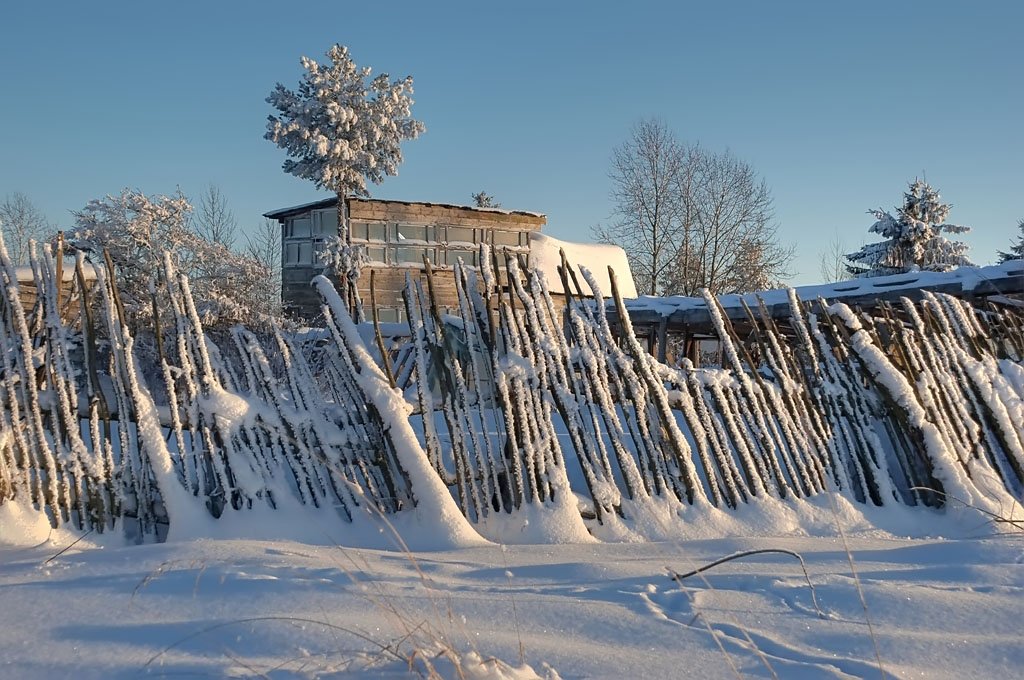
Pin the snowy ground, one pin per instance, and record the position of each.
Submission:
(938, 608)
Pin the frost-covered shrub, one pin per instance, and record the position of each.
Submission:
(346, 261)
(135, 230)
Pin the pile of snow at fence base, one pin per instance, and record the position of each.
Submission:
(943, 604)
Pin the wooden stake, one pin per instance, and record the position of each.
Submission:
(385, 357)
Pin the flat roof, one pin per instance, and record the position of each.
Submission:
(282, 213)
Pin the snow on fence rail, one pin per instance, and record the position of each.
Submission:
(538, 424)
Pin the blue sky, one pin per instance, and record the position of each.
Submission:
(836, 105)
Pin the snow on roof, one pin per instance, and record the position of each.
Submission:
(24, 272)
(333, 201)
(966, 279)
(457, 206)
(596, 257)
(302, 207)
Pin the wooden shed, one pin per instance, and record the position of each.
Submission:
(397, 235)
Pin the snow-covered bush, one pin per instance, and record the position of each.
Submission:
(135, 230)
(914, 238)
(346, 261)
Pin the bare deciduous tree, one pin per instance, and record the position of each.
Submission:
(832, 266)
(264, 246)
(22, 222)
(732, 246)
(645, 190)
(213, 220)
(691, 219)
(759, 263)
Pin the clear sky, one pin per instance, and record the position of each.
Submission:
(836, 105)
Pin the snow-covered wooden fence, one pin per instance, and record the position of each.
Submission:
(99, 433)
(527, 415)
(912, 404)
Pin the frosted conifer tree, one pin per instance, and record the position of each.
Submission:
(482, 199)
(914, 239)
(339, 129)
(1016, 251)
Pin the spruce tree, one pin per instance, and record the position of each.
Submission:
(914, 237)
(1016, 251)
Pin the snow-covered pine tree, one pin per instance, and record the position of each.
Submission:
(914, 238)
(1016, 251)
(340, 130)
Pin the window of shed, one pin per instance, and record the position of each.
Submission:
(298, 253)
(506, 238)
(470, 257)
(390, 314)
(412, 232)
(460, 235)
(299, 227)
(325, 222)
(319, 246)
(357, 230)
(412, 255)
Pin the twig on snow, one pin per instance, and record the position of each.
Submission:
(678, 578)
